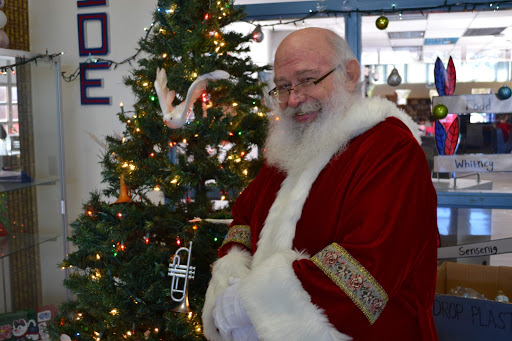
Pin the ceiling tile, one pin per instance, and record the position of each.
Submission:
(441, 33)
(407, 42)
(407, 25)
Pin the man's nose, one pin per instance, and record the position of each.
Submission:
(294, 99)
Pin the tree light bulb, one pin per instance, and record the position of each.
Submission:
(178, 241)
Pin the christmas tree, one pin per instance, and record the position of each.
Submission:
(119, 271)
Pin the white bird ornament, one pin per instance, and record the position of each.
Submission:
(176, 117)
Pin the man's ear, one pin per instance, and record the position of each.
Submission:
(353, 71)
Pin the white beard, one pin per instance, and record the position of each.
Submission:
(290, 145)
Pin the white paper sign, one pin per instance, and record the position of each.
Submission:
(464, 104)
(489, 248)
(479, 163)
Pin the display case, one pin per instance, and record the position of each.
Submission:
(475, 212)
(33, 220)
(475, 257)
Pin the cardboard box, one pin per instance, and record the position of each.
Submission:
(459, 318)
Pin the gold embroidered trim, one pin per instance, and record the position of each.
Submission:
(353, 279)
(239, 234)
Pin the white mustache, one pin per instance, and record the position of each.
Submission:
(303, 108)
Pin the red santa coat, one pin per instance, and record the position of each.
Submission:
(345, 248)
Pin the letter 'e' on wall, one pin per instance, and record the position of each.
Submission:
(93, 39)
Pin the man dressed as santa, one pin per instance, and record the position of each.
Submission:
(336, 238)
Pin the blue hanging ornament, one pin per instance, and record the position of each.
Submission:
(504, 92)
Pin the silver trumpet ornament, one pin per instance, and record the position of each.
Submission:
(177, 271)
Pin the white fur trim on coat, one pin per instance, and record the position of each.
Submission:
(235, 264)
(279, 307)
(272, 295)
(279, 229)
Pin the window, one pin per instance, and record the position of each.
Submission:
(9, 124)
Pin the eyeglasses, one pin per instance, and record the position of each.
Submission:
(282, 92)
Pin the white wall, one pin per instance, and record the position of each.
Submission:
(53, 26)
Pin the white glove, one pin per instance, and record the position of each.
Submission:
(228, 312)
(246, 333)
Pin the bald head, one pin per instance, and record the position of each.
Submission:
(307, 39)
(310, 53)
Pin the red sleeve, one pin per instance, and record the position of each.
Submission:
(390, 248)
(246, 225)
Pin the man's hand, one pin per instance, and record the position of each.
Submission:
(246, 333)
(229, 314)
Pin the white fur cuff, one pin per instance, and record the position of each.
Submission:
(279, 307)
(235, 264)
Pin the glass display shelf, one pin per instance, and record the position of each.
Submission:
(474, 218)
(20, 242)
(33, 221)
(13, 186)
(492, 190)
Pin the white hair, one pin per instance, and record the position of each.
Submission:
(290, 144)
(342, 54)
